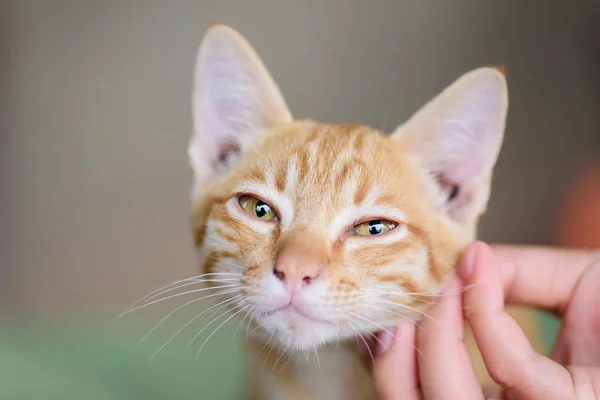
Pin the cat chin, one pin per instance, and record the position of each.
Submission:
(298, 335)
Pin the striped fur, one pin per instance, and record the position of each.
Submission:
(322, 180)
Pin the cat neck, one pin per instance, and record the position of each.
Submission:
(327, 372)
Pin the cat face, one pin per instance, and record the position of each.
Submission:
(324, 232)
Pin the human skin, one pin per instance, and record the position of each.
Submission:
(565, 282)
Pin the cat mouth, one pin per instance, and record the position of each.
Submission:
(292, 313)
(296, 328)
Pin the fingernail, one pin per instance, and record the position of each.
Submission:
(467, 262)
(385, 341)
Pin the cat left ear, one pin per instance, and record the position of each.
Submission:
(457, 136)
(234, 100)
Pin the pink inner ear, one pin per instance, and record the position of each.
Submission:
(469, 166)
(220, 146)
(234, 99)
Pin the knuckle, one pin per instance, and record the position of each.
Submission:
(471, 313)
(509, 376)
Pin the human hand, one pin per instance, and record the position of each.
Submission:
(433, 362)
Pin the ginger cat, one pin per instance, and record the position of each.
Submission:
(330, 233)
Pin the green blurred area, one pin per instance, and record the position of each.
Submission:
(93, 358)
(75, 358)
(549, 326)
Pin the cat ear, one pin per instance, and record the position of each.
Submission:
(234, 100)
(457, 136)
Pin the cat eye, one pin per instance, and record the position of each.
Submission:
(374, 227)
(257, 208)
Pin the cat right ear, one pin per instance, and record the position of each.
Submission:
(234, 100)
(457, 137)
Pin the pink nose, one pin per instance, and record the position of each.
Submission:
(299, 262)
(295, 271)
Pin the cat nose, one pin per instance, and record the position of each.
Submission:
(297, 273)
(299, 262)
(291, 276)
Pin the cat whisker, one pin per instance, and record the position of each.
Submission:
(417, 349)
(218, 327)
(387, 331)
(242, 321)
(423, 313)
(381, 328)
(289, 357)
(374, 336)
(182, 294)
(156, 291)
(424, 294)
(219, 305)
(254, 329)
(270, 350)
(180, 307)
(427, 302)
(248, 324)
(369, 321)
(242, 302)
(317, 355)
(206, 326)
(196, 282)
(364, 341)
(248, 331)
(279, 355)
(411, 299)
(264, 346)
(179, 282)
(395, 313)
(296, 364)
(213, 312)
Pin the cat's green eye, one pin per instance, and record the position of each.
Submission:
(375, 227)
(258, 208)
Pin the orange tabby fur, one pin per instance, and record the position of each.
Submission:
(321, 180)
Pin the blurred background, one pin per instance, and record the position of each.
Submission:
(94, 180)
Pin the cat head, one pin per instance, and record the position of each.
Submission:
(316, 232)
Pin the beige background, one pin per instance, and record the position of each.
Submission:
(94, 180)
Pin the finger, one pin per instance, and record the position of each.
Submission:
(395, 368)
(509, 358)
(540, 277)
(445, 367)
(494, 393)
(586, 381)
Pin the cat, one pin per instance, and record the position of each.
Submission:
(323, 234)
